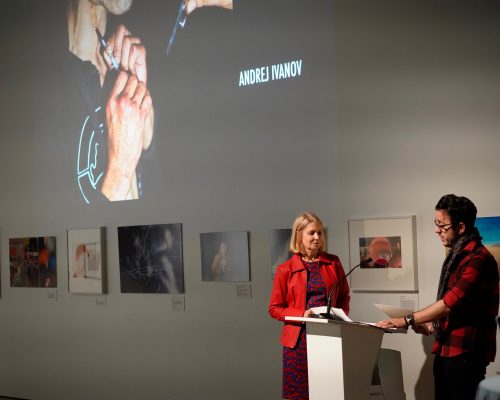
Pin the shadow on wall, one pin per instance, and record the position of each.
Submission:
(424, 389)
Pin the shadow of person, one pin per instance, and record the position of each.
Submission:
(424, 388)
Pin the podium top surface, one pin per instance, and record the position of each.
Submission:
(367, 325)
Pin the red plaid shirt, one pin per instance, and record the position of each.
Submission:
(472, 296)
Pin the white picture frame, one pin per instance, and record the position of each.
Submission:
(86, 261)
(398, 272)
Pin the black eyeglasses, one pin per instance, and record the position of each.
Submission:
(443, 227)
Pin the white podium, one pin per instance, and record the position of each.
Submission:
(341, 357)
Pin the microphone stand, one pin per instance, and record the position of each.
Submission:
(327, 315)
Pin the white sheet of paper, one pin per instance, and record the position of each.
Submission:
(335, 311)
(393, 312)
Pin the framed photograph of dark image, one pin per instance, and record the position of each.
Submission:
(224, 256)
(151, 258)
(279, 243)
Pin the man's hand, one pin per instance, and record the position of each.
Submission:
(130, 54)
(129, 106)
(424, 329)
(192, 5)
(392, 323)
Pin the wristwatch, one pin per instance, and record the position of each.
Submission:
(410, 320)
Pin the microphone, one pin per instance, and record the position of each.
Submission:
(327, 315)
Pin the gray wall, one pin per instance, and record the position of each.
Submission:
(417, 104)
(416, 88)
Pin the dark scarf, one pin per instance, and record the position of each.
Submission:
(448, 264)
(449, 267)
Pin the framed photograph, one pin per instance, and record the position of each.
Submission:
(151, 258)
(489, 228)
(33, 262)
(224, 257)
(279, 243)
(390, 243)
(86, 261)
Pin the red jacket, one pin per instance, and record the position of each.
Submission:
(288, 297)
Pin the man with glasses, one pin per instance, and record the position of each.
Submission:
(463, 316)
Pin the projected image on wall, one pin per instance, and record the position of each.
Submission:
(118, 119)
(118, 110)
(153, 100)
(151, 259)
(33, 262)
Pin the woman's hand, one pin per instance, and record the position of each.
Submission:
(308, 313)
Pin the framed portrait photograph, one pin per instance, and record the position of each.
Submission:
(225, 257)
(386, 249)
(86, 261)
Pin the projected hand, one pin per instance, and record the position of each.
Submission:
(129, 106)
(131, 55)
(129, 52)
(192, 5)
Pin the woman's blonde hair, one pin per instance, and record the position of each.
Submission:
(302, 220)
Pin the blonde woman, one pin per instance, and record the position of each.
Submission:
(301, 283)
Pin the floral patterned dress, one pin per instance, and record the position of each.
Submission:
(295, 383)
